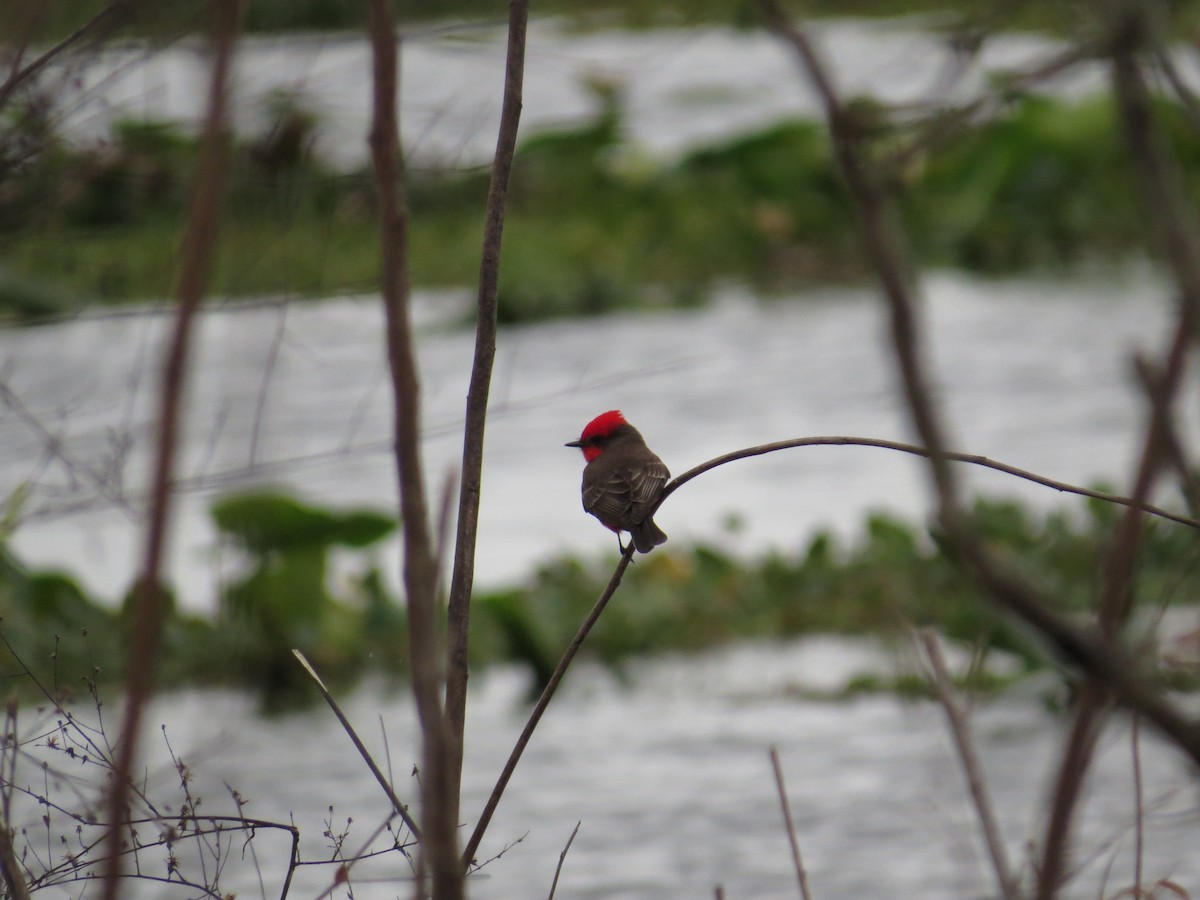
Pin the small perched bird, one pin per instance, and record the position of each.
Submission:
(622, 480)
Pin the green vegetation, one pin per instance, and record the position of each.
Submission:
(682, 599)
(592, 226)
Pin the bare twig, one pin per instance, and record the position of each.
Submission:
(438, 795)
(1115, 604)
(197, 254)
(1175, 221)
(1139, 813)
(10, 869)
(789, 825)
(543, 701)
(960, 729)
(887, 253)
(462, 579)
(105, 19)
(1158, 170)
(562, 857)
(400, 808)
(916, 450)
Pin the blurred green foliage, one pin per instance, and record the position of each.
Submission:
(593, 225)
(894, 577)
(279, 598)
(280, 594)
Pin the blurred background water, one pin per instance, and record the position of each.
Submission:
(1034, 373)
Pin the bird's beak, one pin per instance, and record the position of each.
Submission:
(573, 444)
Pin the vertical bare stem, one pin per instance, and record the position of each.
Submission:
(1158, 173)
(1158, 170)
(960, 729)
(1139, 847)
(1115, 605)
(197, 253)
(462, 580)
(438, 825)
(13, 878)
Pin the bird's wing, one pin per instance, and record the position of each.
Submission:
(646, 483)
(609, 499)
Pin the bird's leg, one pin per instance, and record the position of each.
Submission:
(619, 544)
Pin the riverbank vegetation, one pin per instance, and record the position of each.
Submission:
(279, 16)
(278, 592)
(593, 225)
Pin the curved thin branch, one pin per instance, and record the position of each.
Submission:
(917, 450)
(514, 757)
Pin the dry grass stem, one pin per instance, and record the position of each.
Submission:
(964, 743)
(789, 825)
(561, 859)
(400, 808)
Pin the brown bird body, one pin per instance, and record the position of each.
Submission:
(622, 480)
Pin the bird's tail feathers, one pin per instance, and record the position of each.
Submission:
(647, 536)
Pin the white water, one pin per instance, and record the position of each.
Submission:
(668, 773)
(1033, 373)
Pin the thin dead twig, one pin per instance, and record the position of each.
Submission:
(199, 244)
(789, 825)
(95, 26)
(887, 253)
(400, 808)
(960, 730)
(10, 868)
(1156, 167)
(1175, 221)
(562, 857)
(1116, 602)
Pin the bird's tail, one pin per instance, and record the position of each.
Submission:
(647, 536)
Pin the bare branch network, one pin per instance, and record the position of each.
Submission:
(108, 844)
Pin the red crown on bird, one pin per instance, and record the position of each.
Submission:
(605, 423)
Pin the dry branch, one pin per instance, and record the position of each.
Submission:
(1158, 174)
(789, 825)
(562, 857)
(400, 808)
(887, 253)
(438, 825)
(197, 253)
(960, 729)
(95, 28)
(916, 450)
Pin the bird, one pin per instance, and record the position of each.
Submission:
(623, 479)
